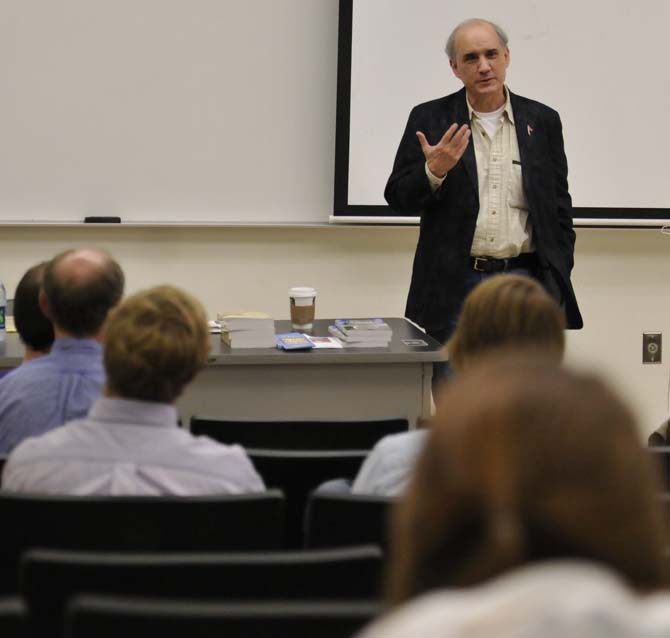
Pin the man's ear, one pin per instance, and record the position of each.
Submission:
(44, 304)
(454, 68)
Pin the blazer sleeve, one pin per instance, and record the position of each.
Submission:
(563, 199)
(408, 189)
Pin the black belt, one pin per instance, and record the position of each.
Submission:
(491, 264)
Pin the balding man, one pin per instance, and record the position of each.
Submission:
(487, 172)
(79, 288)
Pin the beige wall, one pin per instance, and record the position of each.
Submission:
(620, 280)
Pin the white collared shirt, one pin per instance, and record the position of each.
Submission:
(130, 448)
(389, 466)
(503, 229)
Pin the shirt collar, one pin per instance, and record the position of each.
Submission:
(72, 343)
(506, 111)
(133, 412)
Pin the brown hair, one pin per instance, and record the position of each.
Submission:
(526, 462)
(81, 286)
(155, 343)
(507, 309)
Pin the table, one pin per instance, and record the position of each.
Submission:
(267, 383)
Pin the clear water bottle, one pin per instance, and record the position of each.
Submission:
(3, 308)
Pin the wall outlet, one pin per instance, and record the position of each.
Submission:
(652, 347)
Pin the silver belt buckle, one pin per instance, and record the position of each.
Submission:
(483, 260)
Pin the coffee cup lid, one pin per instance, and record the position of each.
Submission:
(301, 292)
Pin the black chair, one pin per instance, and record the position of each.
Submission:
(297, 472)
(12, 618)
(299, 435)
(663, 501)
(661, 459)
(49, 578)
(336, 520)
(106, 617)
(163, 523)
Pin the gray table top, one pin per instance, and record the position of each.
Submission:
(11, 350)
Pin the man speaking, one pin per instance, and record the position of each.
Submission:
(487, 172)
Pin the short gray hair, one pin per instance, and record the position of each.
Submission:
(450, 47)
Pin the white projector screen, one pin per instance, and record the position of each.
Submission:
(595, 62)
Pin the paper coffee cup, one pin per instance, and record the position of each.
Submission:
(303, 305)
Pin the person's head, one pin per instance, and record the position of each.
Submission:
(479, 56)
(507, 311)
(35, 330)
(155, 343)
(79, 289)
(526, 462)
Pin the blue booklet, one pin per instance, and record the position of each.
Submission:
(349, 325)
(293, 341)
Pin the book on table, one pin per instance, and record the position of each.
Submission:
(362, 324)
(362, 338)
(247, 329)
(245, 320)
(372, 329)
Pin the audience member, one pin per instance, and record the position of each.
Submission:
(532, 512)
(505, 310)
(130, 442)
(35, 329)
(659, 437)
(78, 290)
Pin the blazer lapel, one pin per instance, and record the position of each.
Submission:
(525, 131)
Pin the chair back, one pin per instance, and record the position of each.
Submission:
(334, 520)
(297, 472)
(105, 617)
(49, 578)
(299, 435)
(138, 523)
(12, 618)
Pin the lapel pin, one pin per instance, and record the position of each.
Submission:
(529, 128)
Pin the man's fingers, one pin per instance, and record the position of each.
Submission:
(463, 141)
(463, 133)
(446, 138)
(425, 147)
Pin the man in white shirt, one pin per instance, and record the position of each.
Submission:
(130, 442)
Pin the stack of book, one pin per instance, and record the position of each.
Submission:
(362, 333)
(247, 329)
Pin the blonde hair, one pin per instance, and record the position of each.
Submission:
(507, 310)
(526, 462)
(155, 343)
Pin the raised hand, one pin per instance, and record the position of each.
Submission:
(445, 154)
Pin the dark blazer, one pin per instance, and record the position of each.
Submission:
(448, 217)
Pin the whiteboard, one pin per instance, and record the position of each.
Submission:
(592, 61)
(180, 111)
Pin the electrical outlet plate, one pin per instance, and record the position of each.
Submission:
(652, 347)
